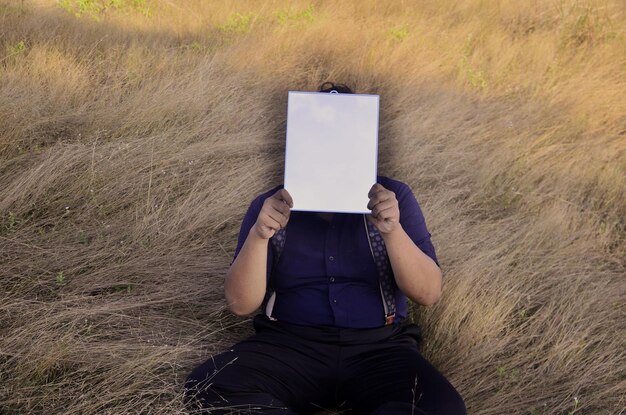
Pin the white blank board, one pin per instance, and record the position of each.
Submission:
(331, 152)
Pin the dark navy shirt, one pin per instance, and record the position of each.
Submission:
(326, 274)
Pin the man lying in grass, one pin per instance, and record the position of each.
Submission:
(334, 294)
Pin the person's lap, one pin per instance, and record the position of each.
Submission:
(398, 376)
(266, 364)
(277, 373)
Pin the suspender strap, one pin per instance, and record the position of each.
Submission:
(278, 245)
(385, 273)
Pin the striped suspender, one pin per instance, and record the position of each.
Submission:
(379, 254)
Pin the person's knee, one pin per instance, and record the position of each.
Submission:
(397, 408)
(198, 390)
(454, 405)
(447, 402)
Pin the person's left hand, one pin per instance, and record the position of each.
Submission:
(385, 211)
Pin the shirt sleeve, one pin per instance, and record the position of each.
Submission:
(248, 221)
(413, 222)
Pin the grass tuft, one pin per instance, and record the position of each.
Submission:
(238, 23)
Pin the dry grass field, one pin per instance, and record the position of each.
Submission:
(134, 134)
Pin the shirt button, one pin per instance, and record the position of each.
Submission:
(335, 301)
(332, 258)
(332, 279)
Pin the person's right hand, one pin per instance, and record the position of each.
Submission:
(274, 214)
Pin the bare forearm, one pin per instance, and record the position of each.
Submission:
(245, 283)
(246, 279)
(416, 274)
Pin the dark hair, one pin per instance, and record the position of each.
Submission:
(341, 88)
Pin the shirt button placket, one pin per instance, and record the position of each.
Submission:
(331, 267)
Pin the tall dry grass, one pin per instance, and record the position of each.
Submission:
(132, 140)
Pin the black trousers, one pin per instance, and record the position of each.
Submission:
(291, 369)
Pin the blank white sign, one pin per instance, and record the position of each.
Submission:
(331, 151)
